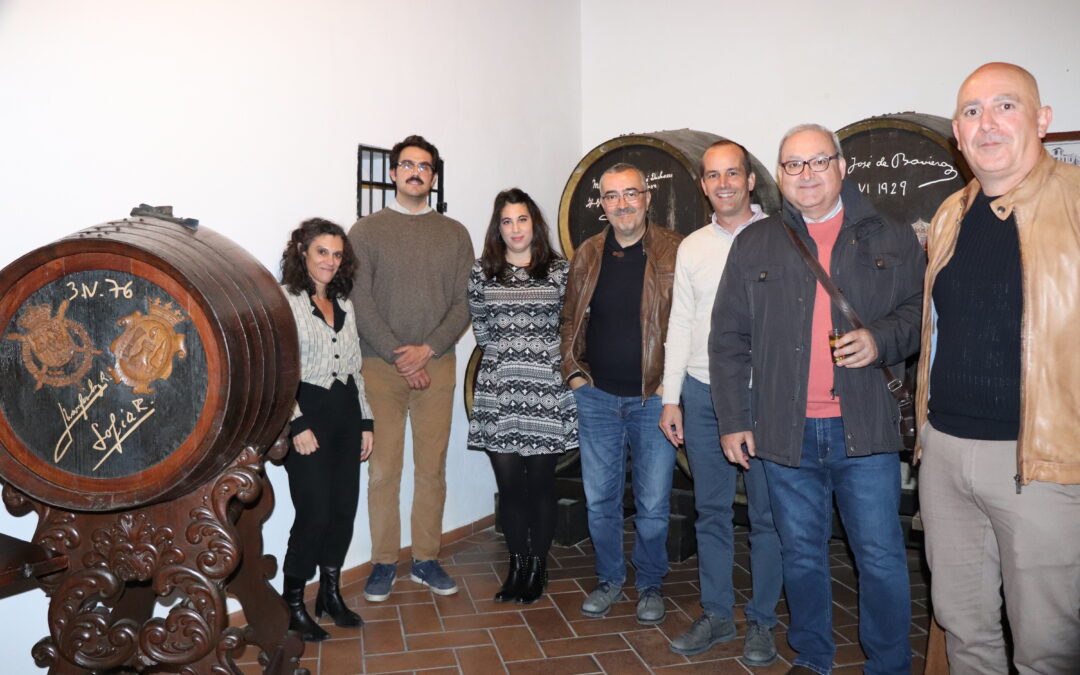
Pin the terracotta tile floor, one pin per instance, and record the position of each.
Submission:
(416, 631)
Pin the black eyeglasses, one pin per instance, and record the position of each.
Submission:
(817, 164)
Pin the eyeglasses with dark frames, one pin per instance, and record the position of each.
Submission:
(817, 164)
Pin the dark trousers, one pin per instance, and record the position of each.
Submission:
(324, 485)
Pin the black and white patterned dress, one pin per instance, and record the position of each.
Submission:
(520, 404)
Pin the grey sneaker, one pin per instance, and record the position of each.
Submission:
(759, 649)
(599, 602)
(650, 607)
(706, 631)
(380, 582)
(431, 574)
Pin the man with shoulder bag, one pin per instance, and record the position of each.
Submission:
(821, 416)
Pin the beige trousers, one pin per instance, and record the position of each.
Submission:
(982, 538)
(429, 412)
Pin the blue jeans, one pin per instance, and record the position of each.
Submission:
(714, 495)
(607, 425)
(867, 491)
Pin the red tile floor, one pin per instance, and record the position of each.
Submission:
(416, 631)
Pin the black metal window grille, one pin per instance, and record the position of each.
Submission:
(374, 189)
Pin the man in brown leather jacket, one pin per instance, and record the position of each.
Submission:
(614, 324)
(999, 486)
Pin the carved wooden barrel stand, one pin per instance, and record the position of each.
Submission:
(148, 369)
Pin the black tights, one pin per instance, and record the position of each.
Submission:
(527, 500)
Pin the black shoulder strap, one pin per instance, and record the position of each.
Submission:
(895, 384)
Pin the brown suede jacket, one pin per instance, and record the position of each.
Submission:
(660, 245)
(1047, 210)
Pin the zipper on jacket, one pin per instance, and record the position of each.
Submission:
(648, 265)
(1020, 431)
(577, 329)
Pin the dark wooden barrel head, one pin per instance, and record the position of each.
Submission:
(139, 358)
(77, 399)
(670, 161)
(906, 164)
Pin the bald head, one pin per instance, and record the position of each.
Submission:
(999, 125)
(1023, 81)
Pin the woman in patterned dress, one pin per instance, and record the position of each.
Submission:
(523, 415)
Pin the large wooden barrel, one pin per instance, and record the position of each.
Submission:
(670, 161)
(139, 357)
(906, 164)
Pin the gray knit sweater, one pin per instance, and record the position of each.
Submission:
(412, 271)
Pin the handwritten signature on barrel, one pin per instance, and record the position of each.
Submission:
(900, 159)
(118, 429)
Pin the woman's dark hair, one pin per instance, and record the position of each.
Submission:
(294, 274)
(493, 259)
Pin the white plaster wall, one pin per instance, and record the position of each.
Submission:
(752, 70)
(246, 114)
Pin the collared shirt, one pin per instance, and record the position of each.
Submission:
(395, 205)
(758, 214)
(698, 268)
(830, 215)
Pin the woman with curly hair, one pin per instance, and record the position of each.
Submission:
(523, 415)
(332, 429)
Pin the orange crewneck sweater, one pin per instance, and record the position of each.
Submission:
(821, 401)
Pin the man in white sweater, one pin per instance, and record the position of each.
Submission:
(727, 180)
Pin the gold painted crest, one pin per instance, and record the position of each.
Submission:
(56, 350)
(144, 351)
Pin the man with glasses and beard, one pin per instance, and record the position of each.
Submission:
(614, 324)
(412, 269)
(823, 420)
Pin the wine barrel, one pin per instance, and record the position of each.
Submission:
(670, 161)
(906, 164)
(139, 357)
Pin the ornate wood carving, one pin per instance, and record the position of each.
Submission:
(195, 549)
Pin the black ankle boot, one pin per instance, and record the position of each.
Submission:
(515, 577)
(299, 620)
(535, 580)
(329, 600)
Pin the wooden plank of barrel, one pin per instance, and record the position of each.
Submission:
(670, 161)
(140, 357)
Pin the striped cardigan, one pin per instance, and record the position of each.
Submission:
(326, 355)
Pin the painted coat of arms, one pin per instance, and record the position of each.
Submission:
(144, 351)
(56, 350)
